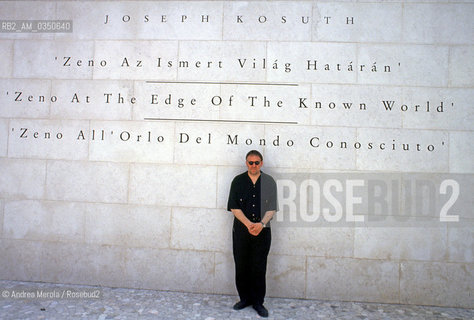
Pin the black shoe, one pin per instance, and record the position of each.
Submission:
(240, 305)
(262, 312)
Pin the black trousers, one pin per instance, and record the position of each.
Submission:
(250, 257)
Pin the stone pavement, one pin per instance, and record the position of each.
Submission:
(33, 300)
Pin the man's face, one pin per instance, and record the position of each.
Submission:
(252, 165)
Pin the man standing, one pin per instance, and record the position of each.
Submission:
(253, 201)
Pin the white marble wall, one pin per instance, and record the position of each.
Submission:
(94, 192)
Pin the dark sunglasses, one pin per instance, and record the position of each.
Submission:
(252, 162)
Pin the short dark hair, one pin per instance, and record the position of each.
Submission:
(254, 153)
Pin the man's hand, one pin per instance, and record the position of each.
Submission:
(255, 228)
